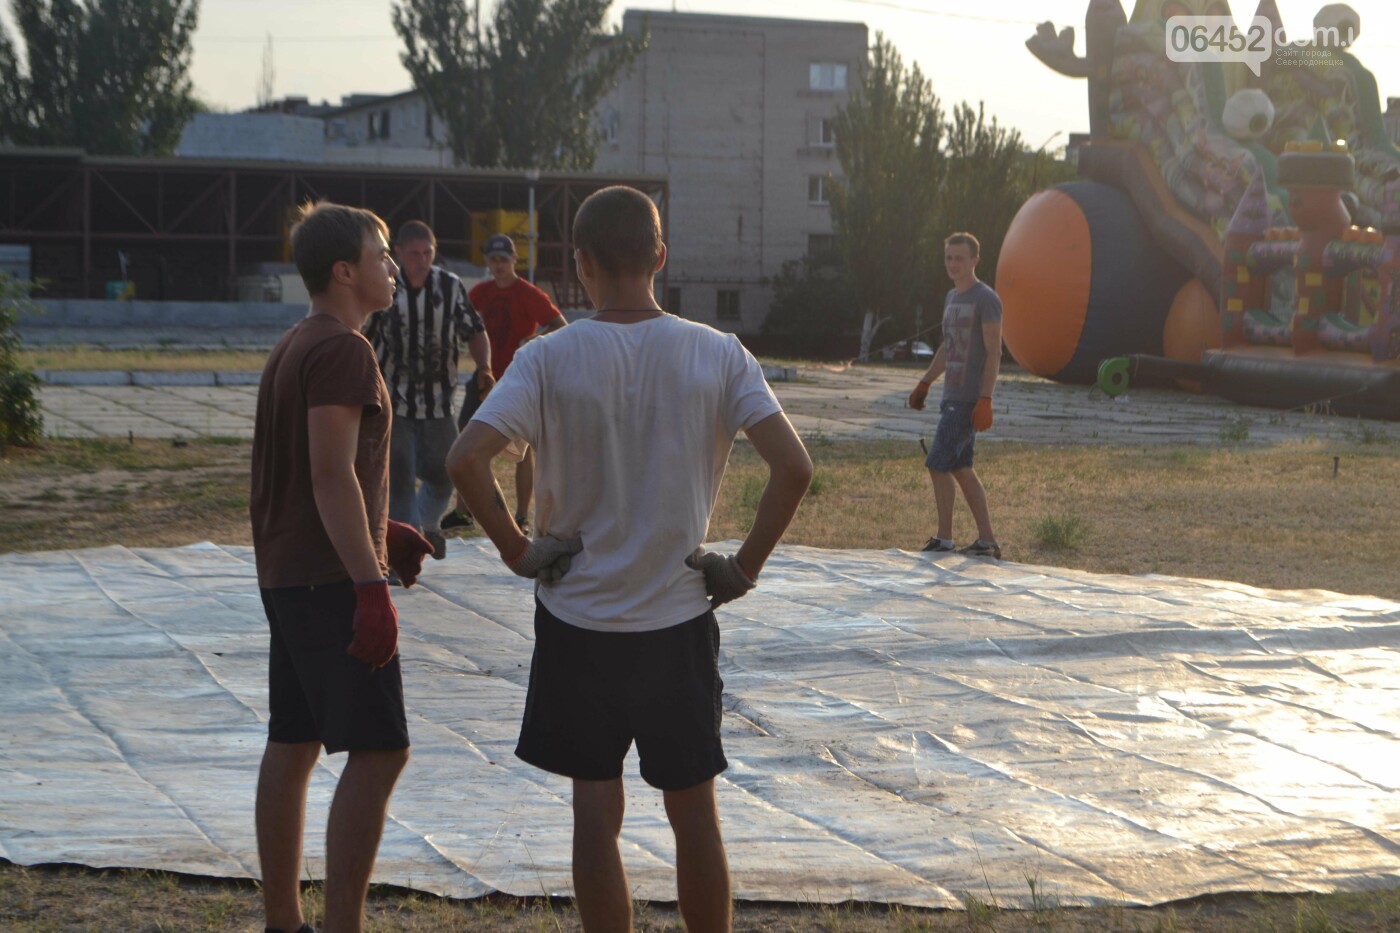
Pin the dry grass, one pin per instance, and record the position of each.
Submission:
(53, 898)
(86, 493)
(78, 357)
(1273, 517)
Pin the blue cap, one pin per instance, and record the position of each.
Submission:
(498, 244)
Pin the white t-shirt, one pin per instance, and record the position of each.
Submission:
(632, 425)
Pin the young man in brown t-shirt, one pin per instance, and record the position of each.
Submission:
(323, 544)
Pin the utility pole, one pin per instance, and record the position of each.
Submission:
(477, 76)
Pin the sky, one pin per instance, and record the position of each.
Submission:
(323, 49)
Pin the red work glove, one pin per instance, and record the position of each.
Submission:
(982, 414)
(485, 382)
(916, 398)
(406, 549)
(376, 624)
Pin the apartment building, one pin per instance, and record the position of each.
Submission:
(736, 112)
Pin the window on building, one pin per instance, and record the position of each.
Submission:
(428, 122)
(823, 131)
(827, 76)
(821, 247)
(673, 299)
(818, 189)
(384, 124)
(727, 304)
(373, 128)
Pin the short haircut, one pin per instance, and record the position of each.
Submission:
(327, 233)
(966, 239)
(619, 227)
(414, 231)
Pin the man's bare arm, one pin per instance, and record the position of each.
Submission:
(936, 366)
(469, 465)
(554, 324)
(789, 475)
(479, 346)
(991, 336)
(333, 433)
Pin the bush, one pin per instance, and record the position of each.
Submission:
(814, 305)
(21, 422)
(1060, 532)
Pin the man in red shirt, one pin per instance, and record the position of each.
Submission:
(514, 312)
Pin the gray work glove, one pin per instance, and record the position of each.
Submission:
(725, 580)
(547, 559)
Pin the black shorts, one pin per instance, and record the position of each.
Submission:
(593, 693)
(317, 692)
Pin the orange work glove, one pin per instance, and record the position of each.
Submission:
(406, 549)
(916, 398)
(376, 624)
(485, 382)
(982, 414)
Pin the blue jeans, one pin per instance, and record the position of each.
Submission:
(418, 449)
(954, 439)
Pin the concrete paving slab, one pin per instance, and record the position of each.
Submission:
(179, 378)
(94, 377)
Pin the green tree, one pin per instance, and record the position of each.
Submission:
(987, 180)
(107, 76)
(884, 206)
(812, 303)
(21, 422)
(523, 91)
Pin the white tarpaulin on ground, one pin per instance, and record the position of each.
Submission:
(898, 730)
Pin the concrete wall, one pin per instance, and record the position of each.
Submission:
(274, 136)
(410, 125)
(159, 315)
(285, 138)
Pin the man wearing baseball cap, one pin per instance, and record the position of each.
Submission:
(514, 312)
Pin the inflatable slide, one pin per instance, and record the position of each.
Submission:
(1239, 231)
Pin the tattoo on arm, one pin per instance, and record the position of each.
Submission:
(500, 497)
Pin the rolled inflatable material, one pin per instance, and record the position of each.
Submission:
(1281, 382)
(1080, 279)
(1114, 375)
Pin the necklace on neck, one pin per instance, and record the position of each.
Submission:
(618, 311)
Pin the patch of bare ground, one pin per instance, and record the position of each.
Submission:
(63, 898)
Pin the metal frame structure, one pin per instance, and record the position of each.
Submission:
(182, 229)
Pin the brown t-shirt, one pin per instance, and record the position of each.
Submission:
(319, 361)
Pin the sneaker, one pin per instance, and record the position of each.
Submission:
(523, 521)
(938, 545)
(457, 519)
(438, 542)
(394, 579)
(980, 548)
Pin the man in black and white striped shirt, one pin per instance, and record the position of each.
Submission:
(417, 340)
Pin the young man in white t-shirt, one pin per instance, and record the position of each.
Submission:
(633, 413)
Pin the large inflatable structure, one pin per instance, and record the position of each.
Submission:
(1240, 231)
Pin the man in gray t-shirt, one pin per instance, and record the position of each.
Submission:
(969, 359)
